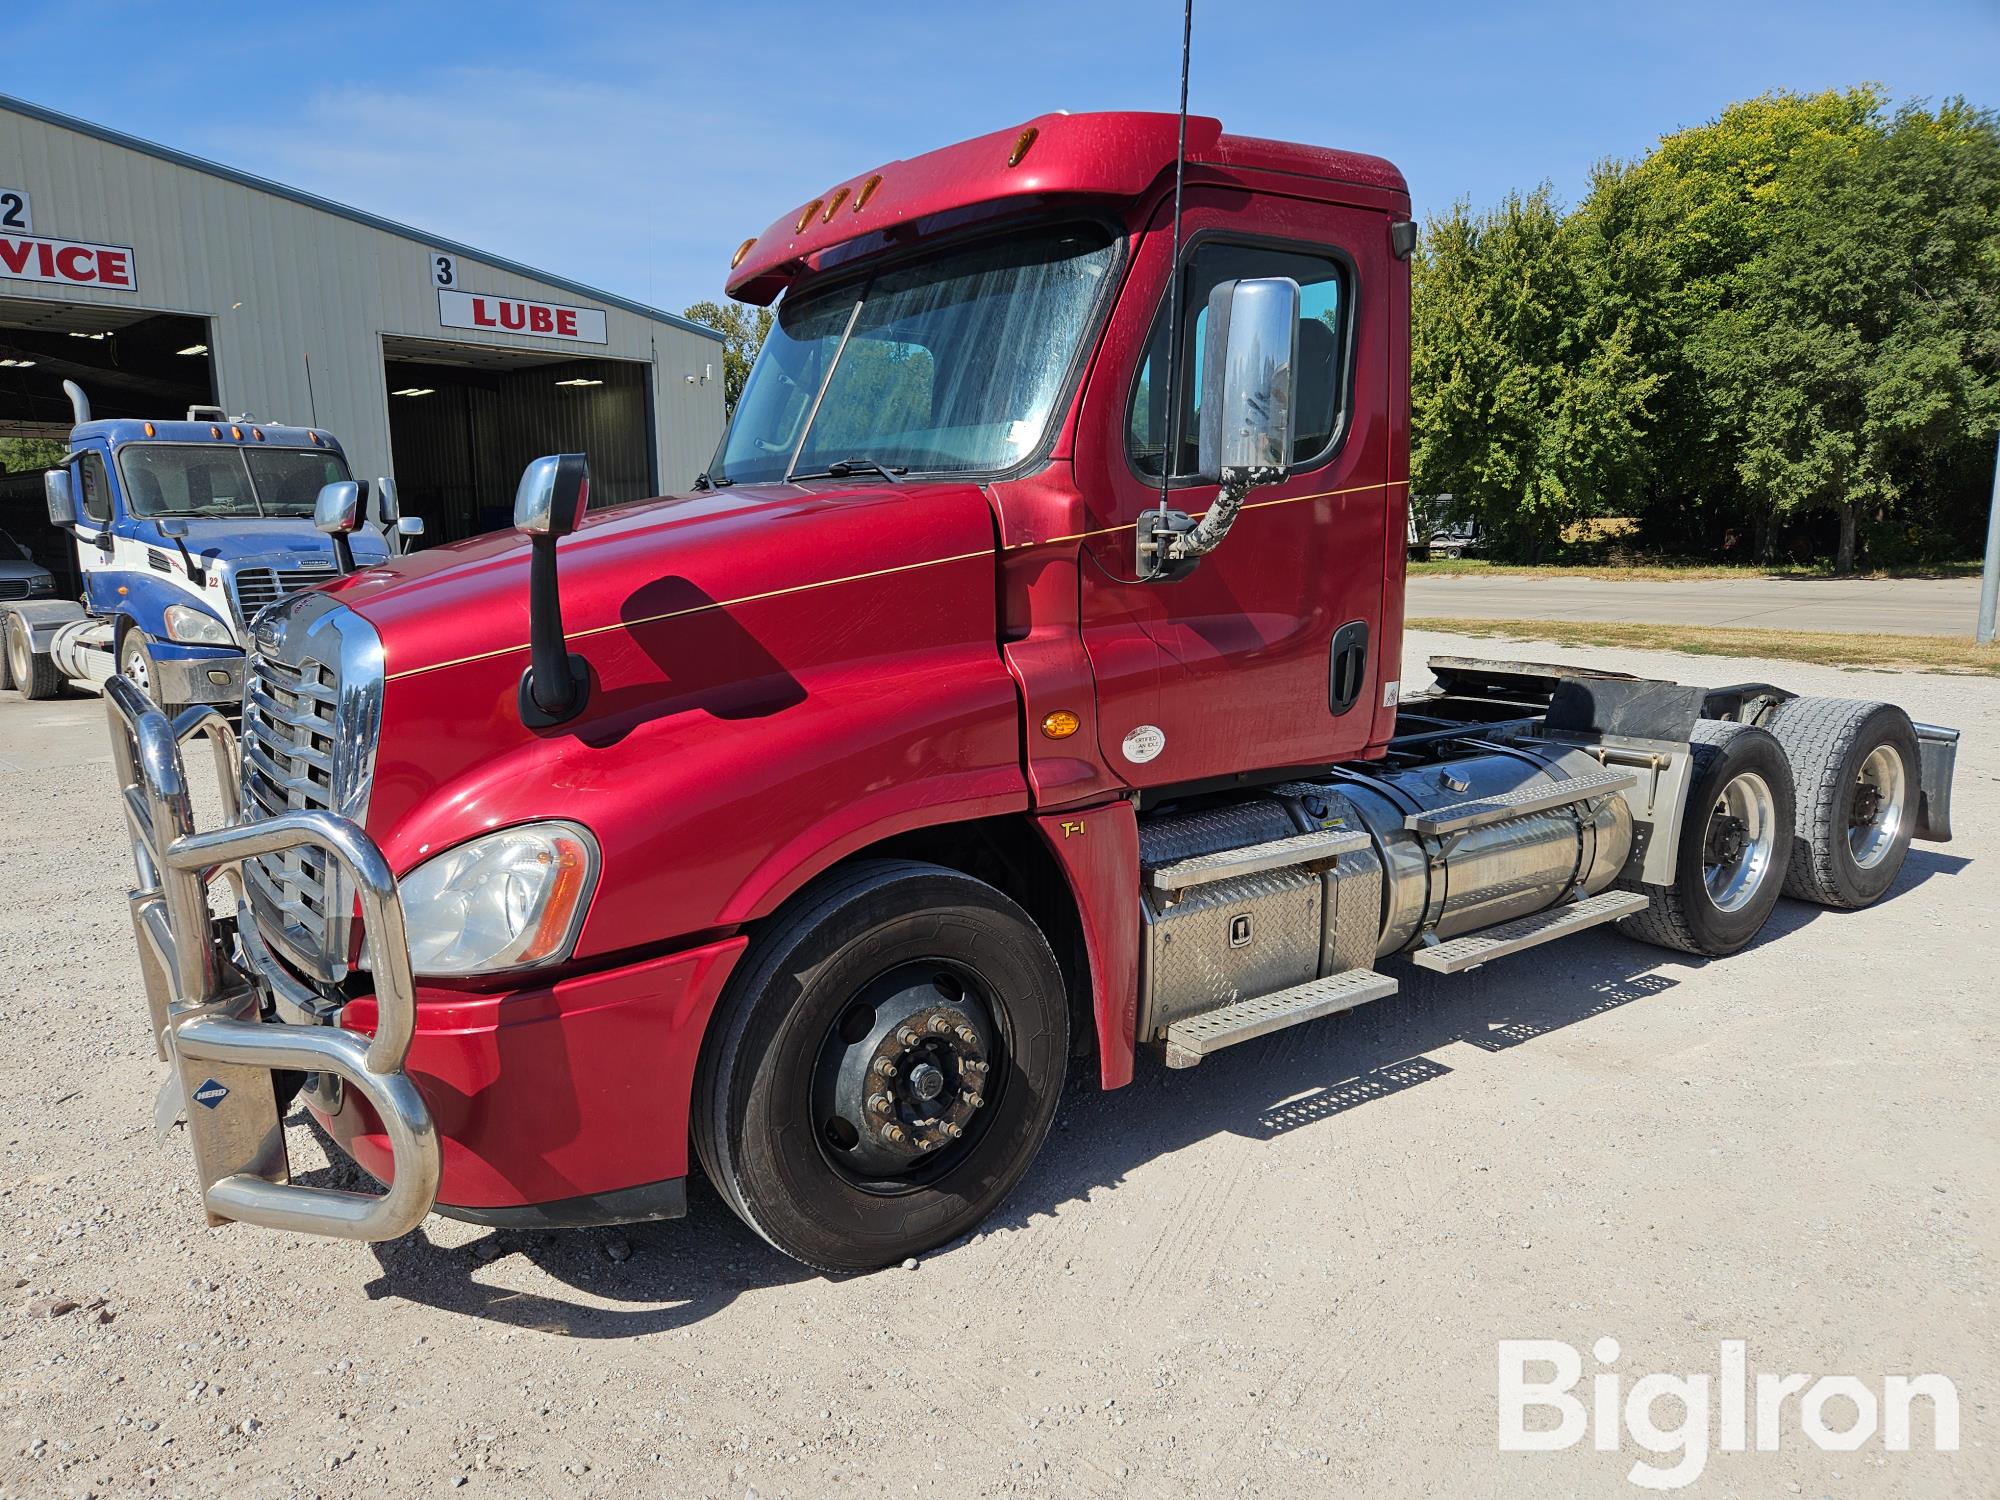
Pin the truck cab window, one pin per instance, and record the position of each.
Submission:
(952, 364)
(1322, 340)
(96, 489)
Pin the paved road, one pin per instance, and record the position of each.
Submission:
(1900, 606)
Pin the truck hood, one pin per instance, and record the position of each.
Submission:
(20, 567)
(230, 539)
(681, 554)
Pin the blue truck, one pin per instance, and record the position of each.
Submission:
(184, 531)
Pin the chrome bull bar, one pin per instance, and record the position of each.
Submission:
(205, 1008)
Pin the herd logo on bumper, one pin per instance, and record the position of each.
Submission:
(210, 1094)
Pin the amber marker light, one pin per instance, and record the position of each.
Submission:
(839, 197)
(257, 433)
(237, 433)
(741, 251)
(1061, 724)
(806, 215)
(149, 429)
(1022, 142)
(215, 432)
(867, 191)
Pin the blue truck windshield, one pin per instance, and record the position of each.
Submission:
(192, 479)
(951, 365)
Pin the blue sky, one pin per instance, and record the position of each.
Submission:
(631, 146)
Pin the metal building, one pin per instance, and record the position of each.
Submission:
(157, 280)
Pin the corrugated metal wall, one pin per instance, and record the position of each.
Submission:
(460, 451)
(284, 282)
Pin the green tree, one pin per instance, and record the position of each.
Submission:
(25, 455)
(1529, 401)
(743, 329)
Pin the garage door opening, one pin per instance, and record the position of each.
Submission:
(465, 420)
(130, 363)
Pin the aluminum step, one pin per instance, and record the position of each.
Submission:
(1536, 796)
(1254, 859)
(1192, 1039)
(1476, 948)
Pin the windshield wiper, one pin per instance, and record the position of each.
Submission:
(841, 468)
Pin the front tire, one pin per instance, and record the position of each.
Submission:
(884, 1065)
(137, 666)
(1858, 774)
(1734, 844)
(34, 672)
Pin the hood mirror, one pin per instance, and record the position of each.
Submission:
(338, 512)
(553, 495)
(551, 499)
(397, 528)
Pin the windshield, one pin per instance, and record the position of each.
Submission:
(187, 479)
(951, 365)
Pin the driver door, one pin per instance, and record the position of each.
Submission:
(96, 541)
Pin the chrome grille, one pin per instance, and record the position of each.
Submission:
(256, 587)
(312, 701)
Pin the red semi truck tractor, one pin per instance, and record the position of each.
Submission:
(1016, 693)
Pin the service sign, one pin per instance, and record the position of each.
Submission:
(67, 262)
(496, 314)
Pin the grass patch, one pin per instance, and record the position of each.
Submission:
(1924, 653)
(1666, 570)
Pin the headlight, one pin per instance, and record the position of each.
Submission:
(41, 586)
(505, 900)
(196, 627)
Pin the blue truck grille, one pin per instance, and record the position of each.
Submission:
(256, 587)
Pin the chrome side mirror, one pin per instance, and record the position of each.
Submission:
(1248, 418)
(387, 505)
(60, 491)
(337, 511)
(553, 494)
(409, 526)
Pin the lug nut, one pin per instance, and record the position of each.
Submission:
(952, 1130)
(939, 1023)
(975, 1100)
(892, 1132)
(879, 1103)
(886, 1068)
(968, 1036)
(908, 1037)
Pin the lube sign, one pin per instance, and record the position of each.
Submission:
(67, 263)
(496, 314)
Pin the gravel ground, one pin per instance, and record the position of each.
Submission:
(1281, 1273)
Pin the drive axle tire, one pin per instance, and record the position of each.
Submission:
(1733, 846)
(1858, 773)
(34, 672)
(883, 1066)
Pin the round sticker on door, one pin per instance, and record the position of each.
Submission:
(1143, 743)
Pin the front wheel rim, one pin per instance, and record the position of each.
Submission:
(18, 657)
(906, 1081)
(1875, 815)
(136, 669)
(1740, 842)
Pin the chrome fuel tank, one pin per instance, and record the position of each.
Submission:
(1456, 883)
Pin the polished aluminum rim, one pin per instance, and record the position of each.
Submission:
(1741, 842)
(19, 653)
(1880, 800)
(138, 671)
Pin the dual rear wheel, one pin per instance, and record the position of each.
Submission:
(1818, 804)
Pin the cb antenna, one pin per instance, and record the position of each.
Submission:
(1171, 455)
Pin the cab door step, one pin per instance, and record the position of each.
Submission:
(1536, 796)
(1254, 859)
(1476, 948)
(1191, 1039)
